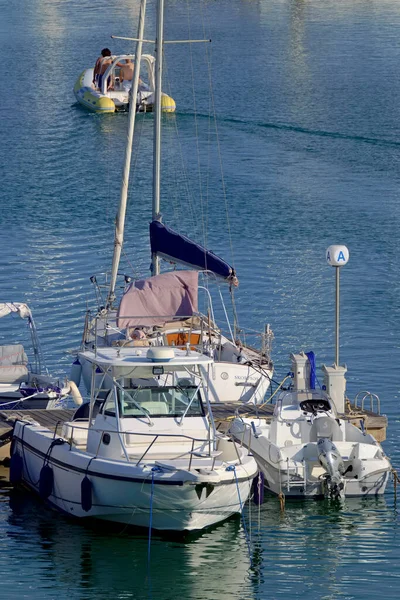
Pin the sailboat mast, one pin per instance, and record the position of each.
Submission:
(157, 125)
(120, 219)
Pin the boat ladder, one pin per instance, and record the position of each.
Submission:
(295, 468)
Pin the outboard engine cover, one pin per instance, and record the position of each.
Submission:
(330, 459)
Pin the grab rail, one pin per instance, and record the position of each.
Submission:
(202, 441)
(372, 398)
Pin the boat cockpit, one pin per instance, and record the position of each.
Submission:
(155, 401)
(112, 80)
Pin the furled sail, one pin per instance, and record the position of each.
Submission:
(169, 244)
(159, 299)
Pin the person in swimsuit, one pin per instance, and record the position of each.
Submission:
(126, 73)
(102, 64)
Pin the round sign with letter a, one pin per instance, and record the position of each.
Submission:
(337, 256)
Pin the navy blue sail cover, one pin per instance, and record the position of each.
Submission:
(169, 244)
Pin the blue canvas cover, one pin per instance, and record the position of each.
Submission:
(169, 244)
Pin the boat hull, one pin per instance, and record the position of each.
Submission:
(122, 492)
(296, 471)
(231, 382)
(276, 481)
(13, 396)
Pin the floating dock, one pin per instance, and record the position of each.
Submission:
(223, 414)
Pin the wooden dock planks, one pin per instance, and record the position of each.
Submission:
(47, 418)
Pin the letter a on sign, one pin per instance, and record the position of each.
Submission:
(337, 256)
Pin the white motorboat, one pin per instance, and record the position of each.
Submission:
(309, 447)
(147, 455)
(151, 312)
(25, 384)
(113, 94)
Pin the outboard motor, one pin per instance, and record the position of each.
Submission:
(330, 459)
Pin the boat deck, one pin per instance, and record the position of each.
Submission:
(374, 424)
(223, 415)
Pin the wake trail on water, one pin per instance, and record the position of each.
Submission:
(296, 129)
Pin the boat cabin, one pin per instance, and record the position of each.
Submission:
(157, 405)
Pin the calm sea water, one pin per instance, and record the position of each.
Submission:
(307, 98)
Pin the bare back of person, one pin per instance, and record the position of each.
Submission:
(102, 64)
(126, 73)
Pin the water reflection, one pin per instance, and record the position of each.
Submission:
(323, 548)
(320, 548)
(114, 563)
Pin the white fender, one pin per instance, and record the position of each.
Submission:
(75, 393)
(76, 372)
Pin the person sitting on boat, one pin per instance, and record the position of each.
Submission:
(138, 338)
(126, 76)
(102, 64)
(126, 73)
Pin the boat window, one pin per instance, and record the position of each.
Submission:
(162, 401)
(109, 405)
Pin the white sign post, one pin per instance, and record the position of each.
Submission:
(337, 256)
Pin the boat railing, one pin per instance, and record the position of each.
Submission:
(259, 342)
(247, 427)
(147, 61)
(198, 330)
(363, 397)
(199, 447)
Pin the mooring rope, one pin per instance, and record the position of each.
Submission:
(153, 471)
(257, 407)
(251, 496)
(281, 497)
(396, 480)
(260, 483)
(18, 401)
(277, 389)
(233, 468)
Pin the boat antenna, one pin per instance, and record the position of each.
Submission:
(155, 261)
(337, 256)
(120, 219)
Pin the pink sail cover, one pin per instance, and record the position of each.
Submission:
(158, 299)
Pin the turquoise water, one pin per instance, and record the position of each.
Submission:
(306, 94)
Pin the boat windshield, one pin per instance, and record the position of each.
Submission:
(171, 401)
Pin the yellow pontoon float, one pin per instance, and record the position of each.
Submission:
(113, 95)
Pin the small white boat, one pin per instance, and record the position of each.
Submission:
(23, 384)
(114, 95)
(308, 448)
(147, 455)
